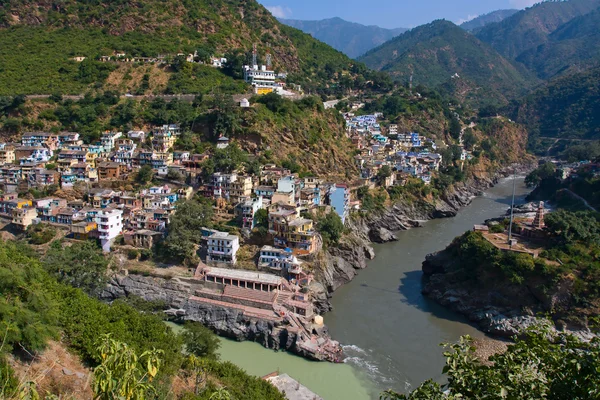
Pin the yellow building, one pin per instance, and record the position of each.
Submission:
(83, 230)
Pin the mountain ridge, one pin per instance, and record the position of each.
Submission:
(351, 38)
(438, 52)
(485, 19)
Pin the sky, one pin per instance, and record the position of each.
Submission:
(390, 13)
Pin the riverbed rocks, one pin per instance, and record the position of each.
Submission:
(381, 235)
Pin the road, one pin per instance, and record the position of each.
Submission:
(167, 97)
(584, 201)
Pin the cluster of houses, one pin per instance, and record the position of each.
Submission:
(406, 154)
(62, 160)
(217, 62)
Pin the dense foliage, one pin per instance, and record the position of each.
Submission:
(34, 307)
(540, 365)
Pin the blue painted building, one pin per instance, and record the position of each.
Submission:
(339, 199)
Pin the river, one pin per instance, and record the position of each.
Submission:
(390, 331)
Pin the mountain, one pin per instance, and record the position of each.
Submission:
(567, 107)
(570, 48)
(38, 39)
(348, 37)
(441, 52)
(483, 20)
(531, 27)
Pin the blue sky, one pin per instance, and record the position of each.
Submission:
(389, 13)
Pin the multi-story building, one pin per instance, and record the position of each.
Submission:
(261, 79)
(69, 139)
(39, 177)
(280, 260)
(246, 212)
(23, 217)
(289, 230)
(156, 160)
(240, 188)
(40, 139)
(339, 199)
(111, 171)
(109, 140)
(28, 154)
(162, 141)
(110, 225)
(7, 154)
(139, 136)
(222, 248)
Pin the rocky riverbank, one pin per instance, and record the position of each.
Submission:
(340, 264)
(178, 295)
(497, 305)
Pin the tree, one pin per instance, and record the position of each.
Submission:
(224, 117)
(543, 172)
(123, 375)
(454, 128)
(262, 218)
(184, 229)
(331, 228)
(144, 175)
(229, 159)
(542, 365)
(81, 265)
(469, 139)
(200, 341)
(384, 172)
(174, 175)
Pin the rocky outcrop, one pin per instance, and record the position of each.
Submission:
(382, 235)
(231, 322)
(494, 303)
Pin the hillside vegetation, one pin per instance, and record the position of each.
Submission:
(567, 107)
(435, 52)
(39, 38)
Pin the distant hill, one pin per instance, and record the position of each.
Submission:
(39, 38)
(567, 107)
(573, 47)
(483, 20)
(531, 27)
(436, 52)
(350, 38)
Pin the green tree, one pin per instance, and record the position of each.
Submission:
(331, 228)
(541, 365)
(384, 172)
(454, 128)
(81, 265)
(174, 175)
(262, 218)
(144, 175)
(200, 341)
(184, 229)
(544, 171)
(229, 159)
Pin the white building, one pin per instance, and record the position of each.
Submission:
(222, 248)
(261, 79)
(244, 103)
(137, 135)
(109, 139)
(278, 259)
(110, 225)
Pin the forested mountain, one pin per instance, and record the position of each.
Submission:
(530, 28)
(38, 40)
(351, 38)
(572, 47)
(482, 20)
(568, 107)
(441, 52)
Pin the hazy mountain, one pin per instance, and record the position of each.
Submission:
(572, 47)
(483, 20)
(440, 52)
(348, 37)
(532, 27)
